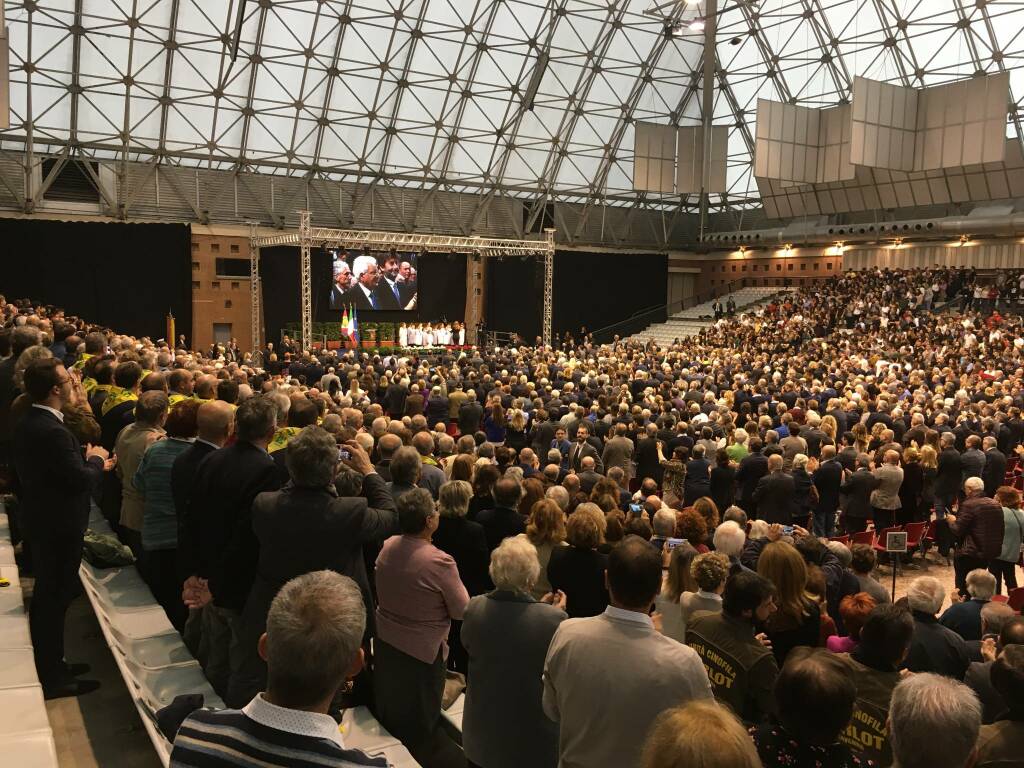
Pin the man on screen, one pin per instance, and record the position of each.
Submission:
(388, 289)
(342, 284)
(407, 283)
(366, 292)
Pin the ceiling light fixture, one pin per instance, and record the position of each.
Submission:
(697, 25)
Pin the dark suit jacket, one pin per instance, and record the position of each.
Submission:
(470, 414)
(857, 489)
(394, 400)
(774, 498)
(413, 404)
(219, 540)
(828, 478)
(698, 480)
(466, 542)
(752, 468)
(500, 523)
(646, 456)
(947, 476)
(183, 474)
(994, 471)
(113, 421)
(977, 679)
(55, 478)
(579, 451)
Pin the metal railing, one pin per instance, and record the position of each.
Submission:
(661, 312)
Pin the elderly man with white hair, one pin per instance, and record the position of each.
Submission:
(506, 634)
(934, 648)
(364, 294)
(964, 618)
(933, 723)
(729, 540)
(978, 526)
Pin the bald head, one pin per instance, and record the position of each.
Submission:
(423, 442)
(587, 464)
(216, 420)
(774, 462)
(388, 444)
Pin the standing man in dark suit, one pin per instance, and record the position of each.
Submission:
(504, 520)
(698, 477)
(858, 488)
(774, 493)
(827, 478)
(752, 468)
(947, 487)
(470, 414)
(995, 466)
(581, 448)
(219, 544)
(56, 480)
(394, 398)
(216, 422)
(647, 462)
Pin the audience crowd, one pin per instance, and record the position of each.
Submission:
(625, 554)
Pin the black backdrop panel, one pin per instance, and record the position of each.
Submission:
(123, 276)
(596, 290)
(589, 289)
(515, 295)
(442, 292)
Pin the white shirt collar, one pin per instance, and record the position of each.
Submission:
(620, 613)
(295, 721)
(709, 595)
(54, 411)
(207, 442)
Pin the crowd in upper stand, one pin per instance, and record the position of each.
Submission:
(633, 555)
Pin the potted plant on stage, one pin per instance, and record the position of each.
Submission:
(386, 334)
(368, 335)
(333, 333)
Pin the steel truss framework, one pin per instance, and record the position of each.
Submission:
(529, 98)
(308, 237)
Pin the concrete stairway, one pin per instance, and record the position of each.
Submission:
(690, 322)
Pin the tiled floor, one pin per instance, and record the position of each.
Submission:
(101, 729)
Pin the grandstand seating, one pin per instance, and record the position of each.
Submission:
(26, 740)
(692, 321)
(157, 667)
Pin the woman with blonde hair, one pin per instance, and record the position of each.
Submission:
(798, 619)
(830, 427)
(679, 581)
(701, 734)
(860, 437)
(929, 470)
(546, 531)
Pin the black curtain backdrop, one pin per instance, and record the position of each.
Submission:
(123, 276)
(442, 290)
(515, 295)
(593, 290)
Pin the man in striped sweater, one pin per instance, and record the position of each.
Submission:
(311, 646)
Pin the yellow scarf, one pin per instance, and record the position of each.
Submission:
(82, 361)
(176, 397)
(89, 385)
(116, 397)
(281, 438)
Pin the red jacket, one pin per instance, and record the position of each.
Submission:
(979, 527)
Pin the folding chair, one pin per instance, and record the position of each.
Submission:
(840, 539)
(1016, 598)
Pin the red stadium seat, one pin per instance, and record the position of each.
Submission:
(840, 539)
(1016, 598)
(864, 537)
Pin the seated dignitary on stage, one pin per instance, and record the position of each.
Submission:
(312, 645)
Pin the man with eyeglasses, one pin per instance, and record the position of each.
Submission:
(56, 479)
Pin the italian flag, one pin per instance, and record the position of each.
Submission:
(348, 325)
